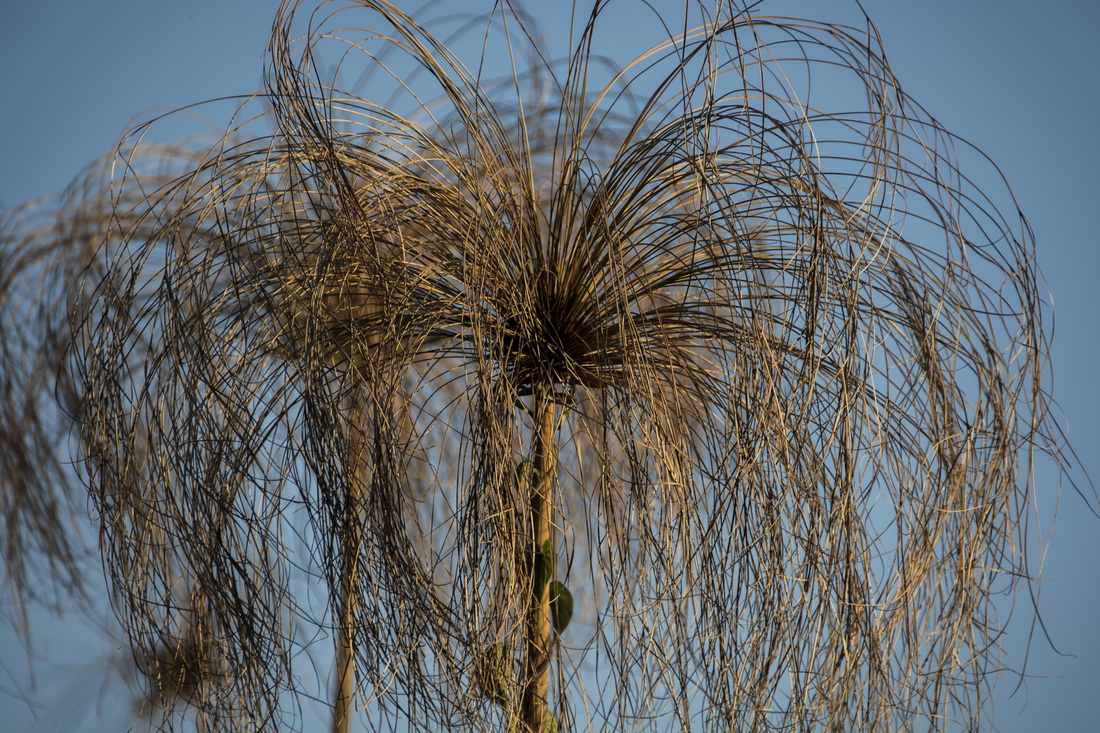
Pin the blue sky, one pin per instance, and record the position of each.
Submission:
(1018, 82)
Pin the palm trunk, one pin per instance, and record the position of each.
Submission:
(539, 653)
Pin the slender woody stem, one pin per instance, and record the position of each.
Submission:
(536, 685)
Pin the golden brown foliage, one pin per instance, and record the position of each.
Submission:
(729, 329)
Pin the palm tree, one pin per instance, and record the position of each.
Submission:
(739, 380)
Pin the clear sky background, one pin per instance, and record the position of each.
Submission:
(1019, 79)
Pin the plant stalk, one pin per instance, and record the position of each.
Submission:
(539, 652)
(345, 652)
(344, 703)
